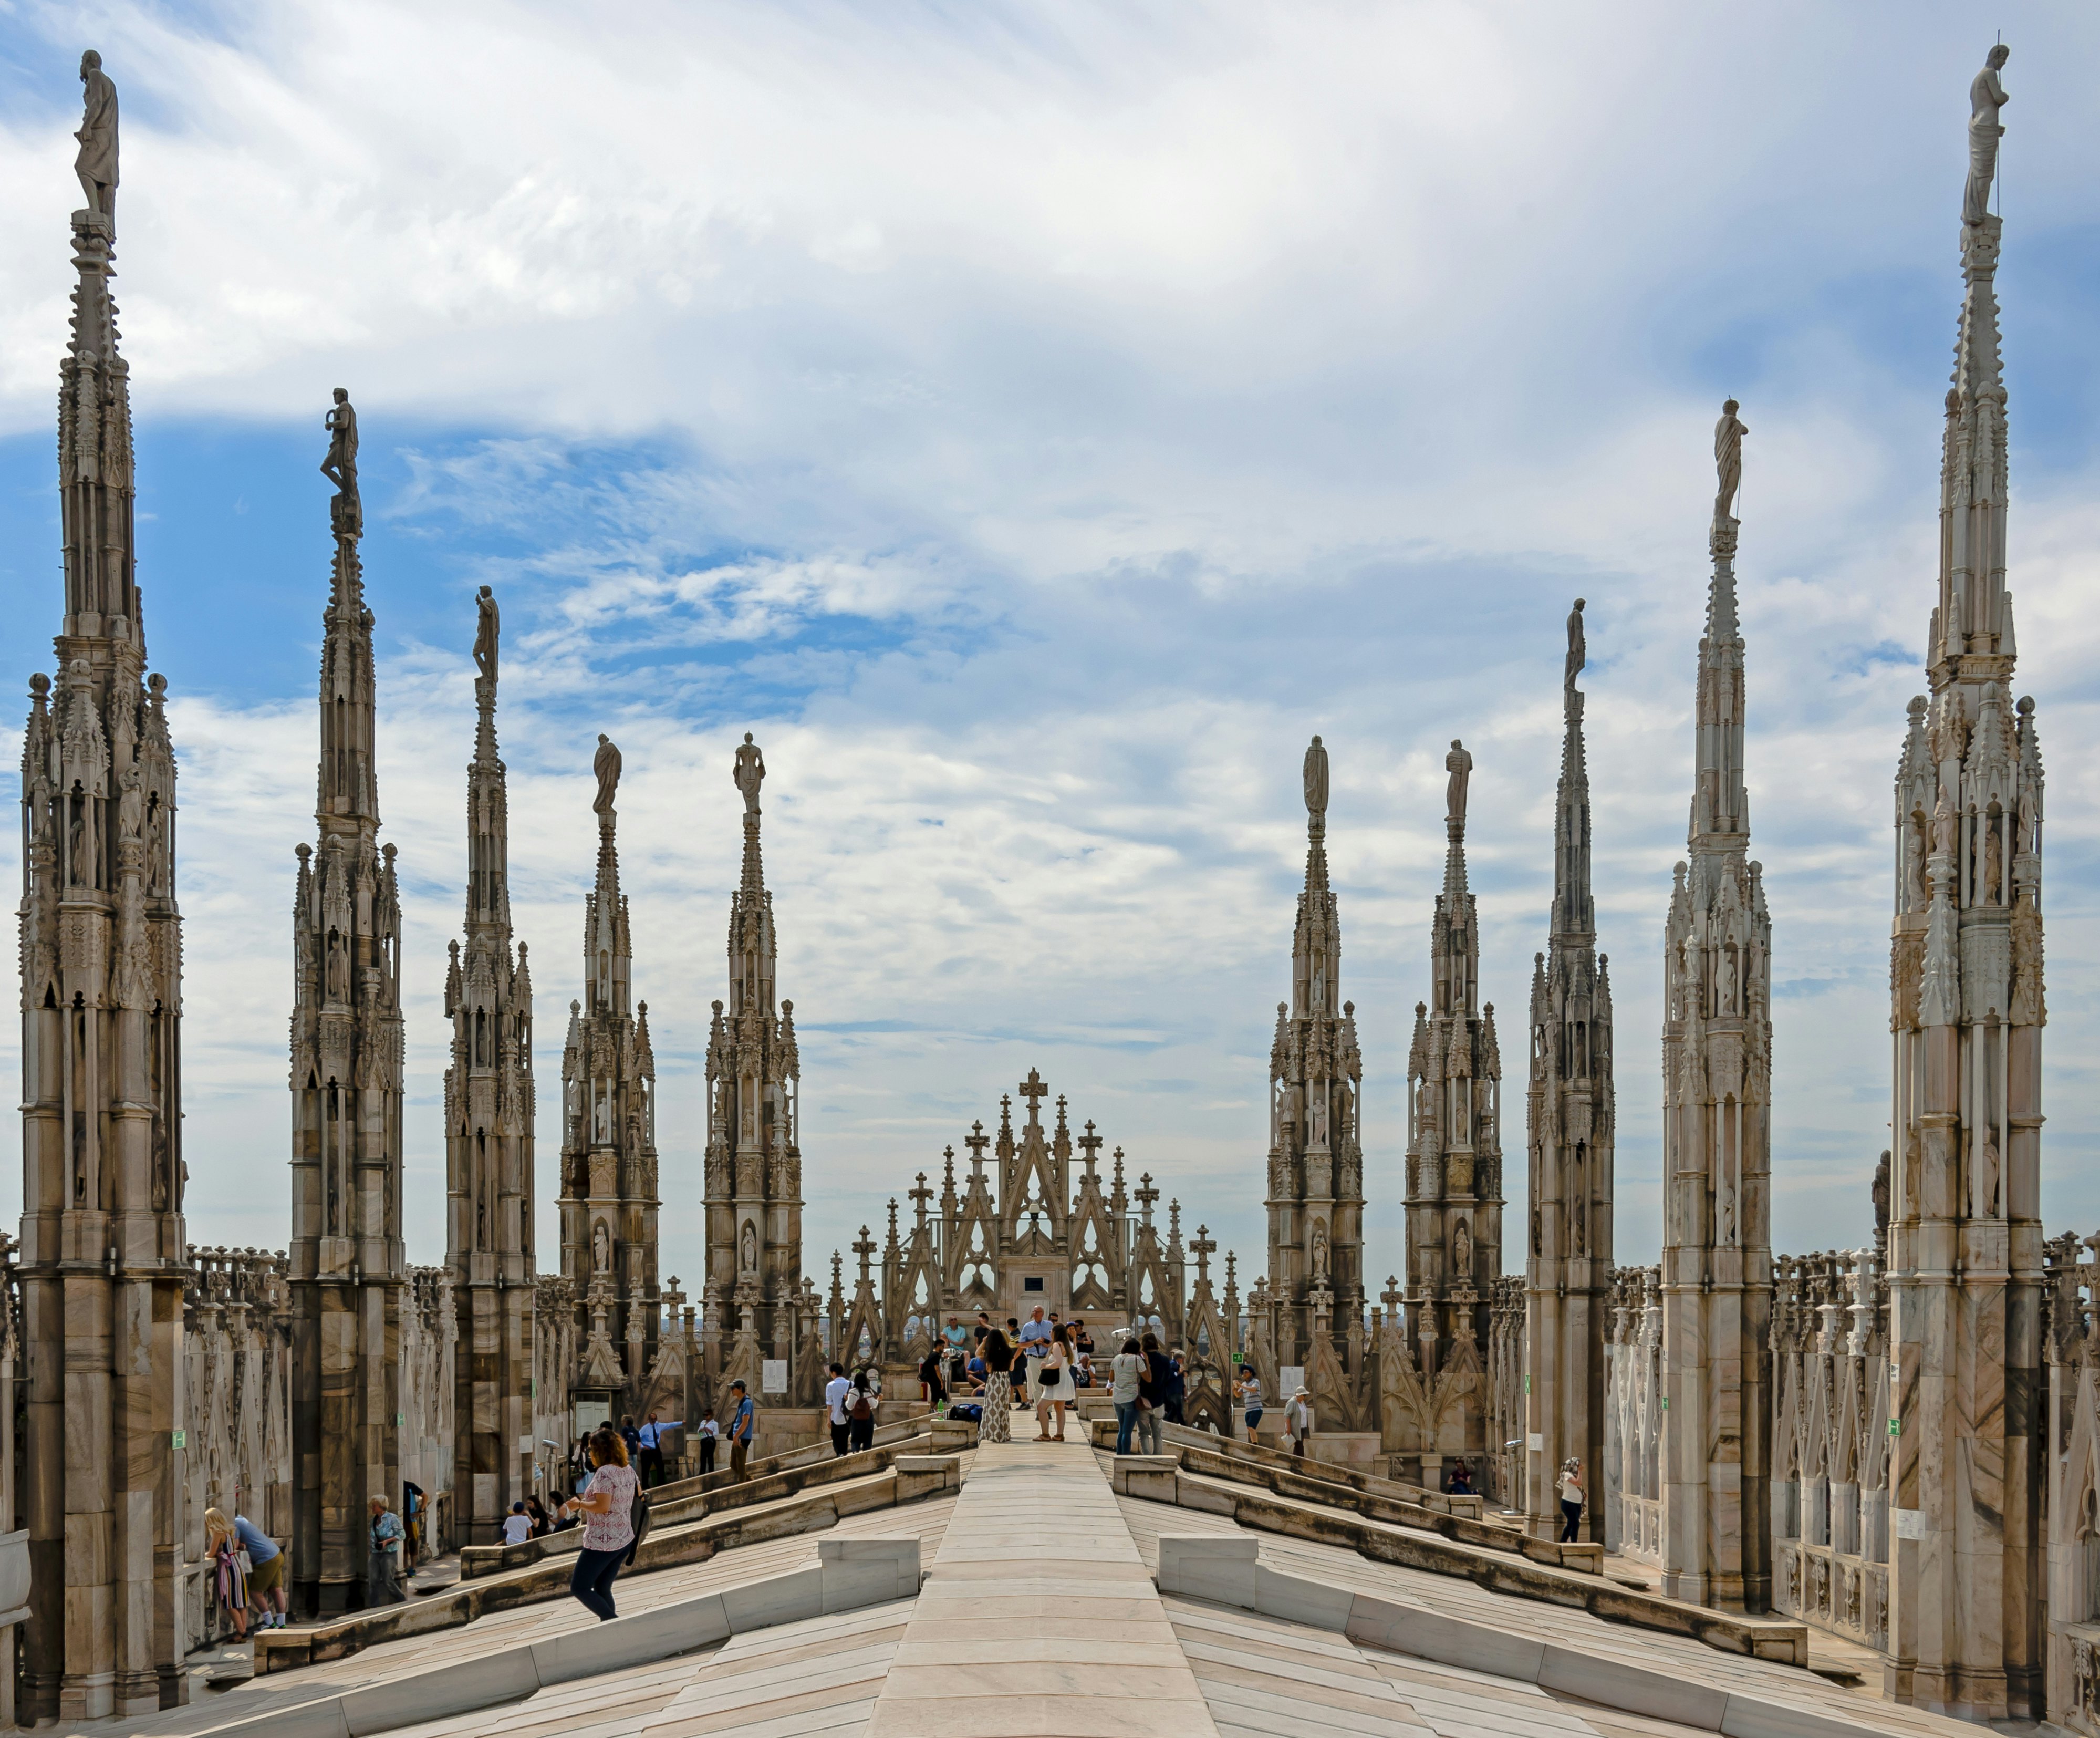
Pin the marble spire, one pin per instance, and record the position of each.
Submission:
(1717, 1272)
(1316, 1163)
(1571, 1118)
(488, 1145)
(1966, 1238)
(1455, 1155)
(104, 1250)
(609, 1200)
(348, 1264)
(754, 1180)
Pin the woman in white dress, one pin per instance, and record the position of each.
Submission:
(1054, 1386)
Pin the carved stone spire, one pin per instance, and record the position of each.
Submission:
(1716, 1139)
(489, 1105)
(348, 1264)
(1315, 1154)
(1966, 1013)
(754, 1154)
(1455, 1158)
(1571, 1118)
(102, 1237)
(609, 1200)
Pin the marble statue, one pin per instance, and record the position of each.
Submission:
(1987, 96)
(1315, 779)
(1727, 460)
(1458, 768)
(1578, 650)
(601, 1247)
(606, 765)
(487, 627)
(1320, 1253)
(96, 164)
(340, 467)
(747, 1249)
(749, 773)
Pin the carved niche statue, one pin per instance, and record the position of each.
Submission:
(1319, 1251)
(1578, 649)
(1727, 459)
(1458, 772)
(748, 1250)
(487, 628)
(600, 1248)
(1987, 96)
(96, 164)
(749, 773)
(1316, 781)
(606, 765)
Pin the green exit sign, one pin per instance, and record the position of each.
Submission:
(181, 1439)
(1666, 1403)
(1895, 1426)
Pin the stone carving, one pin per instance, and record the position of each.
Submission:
(749, 773)
(606, 765)
(1727, 460)
(1316, 781)
(340, 466)
(96, 163)
(601, 1247)
(748, 1250)
(1987, 96)
(487, 630)
(1458, 770)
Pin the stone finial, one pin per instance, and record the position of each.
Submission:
(1316, 782)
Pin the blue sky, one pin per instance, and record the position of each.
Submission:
(1033, 423)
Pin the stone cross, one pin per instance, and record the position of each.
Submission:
(1035, 1092)
(1391, 1296)
(1146, 1195)
(673, 1299)
(919, 1196)
(977, 1141)
(1201, 1249)
(864, 1249)
(1090, 1145)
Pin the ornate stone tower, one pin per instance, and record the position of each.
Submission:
(1717, 1273)
(489, 1147)
(754, 1155)
(609, 1199)
(1568, 1275)
(103, 1255)
(348, 1265)
(1965, 1255)
(1316, 1160)
(1454, 1149)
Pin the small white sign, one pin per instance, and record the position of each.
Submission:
(1290, 1379)
(1909, 1523)
(773, 1375)
(590, 1414)
(1535, 1442)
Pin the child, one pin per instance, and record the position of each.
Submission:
(710, 1431)
(517, 1525)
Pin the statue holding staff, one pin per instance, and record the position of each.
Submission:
(340, 467)
(1987, 96)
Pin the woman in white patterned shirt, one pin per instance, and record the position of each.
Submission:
(607, 1504)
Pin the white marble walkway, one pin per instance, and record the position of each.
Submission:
(1039, 1619)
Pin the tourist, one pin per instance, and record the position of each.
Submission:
(1034, 1347)
(860, 1414)
(1248, 1394)
(996, 1425)
(266, 1573)
(542, 1523)
(1462, 1480)
(632, 1438)
(1054, 1387)
(835, 1391)
(1571, 1500)
(1125, 1377)
(742, 1422)
(228, 1585)
(383, 1573)
(413, 1506)
(931, 1389)
(651, 1438)
(955, 1335)
(1083, 1342)
(982, 1328)
(1083, 1370)
(710, 1434)
(1177, 1388)
(606, 1504)
(1151, 1394)
(517, 1525)
(976, 1370)
(1298, 1421)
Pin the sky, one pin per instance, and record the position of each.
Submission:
(1033, 423)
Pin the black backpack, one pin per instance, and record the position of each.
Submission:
(638, 1517)
(861, 1408)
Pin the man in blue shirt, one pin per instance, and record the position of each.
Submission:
(651, 1435)
(743, 1421)
(265, 1577)
(1035, 1343)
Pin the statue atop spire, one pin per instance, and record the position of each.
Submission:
(1458, 773)
(606, 765)
(96, 164)
(1987, 96)
(1316, 783)
(1728, 461)
(749, 773)
(487, 629)
(345, 512)
(1578, 651)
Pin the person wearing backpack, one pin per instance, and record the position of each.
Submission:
(860, 1415)
(608, 1505)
